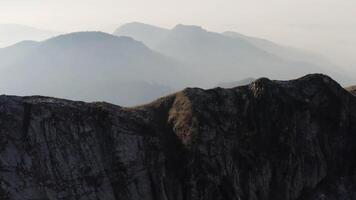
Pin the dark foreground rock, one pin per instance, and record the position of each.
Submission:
(268, 140)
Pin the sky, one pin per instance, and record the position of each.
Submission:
(327, 27)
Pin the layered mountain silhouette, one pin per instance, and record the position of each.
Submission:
(270, 140)
(89, 66)
(229, 56)
(151, 62)
(14, 33)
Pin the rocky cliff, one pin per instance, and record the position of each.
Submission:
(270, 140)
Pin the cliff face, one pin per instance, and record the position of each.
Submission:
(269, 140)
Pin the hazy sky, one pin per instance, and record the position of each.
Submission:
(325, 26)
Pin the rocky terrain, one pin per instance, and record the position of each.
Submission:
(287, 140)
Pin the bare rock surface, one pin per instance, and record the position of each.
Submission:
(287, 140)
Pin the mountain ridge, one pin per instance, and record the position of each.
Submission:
(276, 140)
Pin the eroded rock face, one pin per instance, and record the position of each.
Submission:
(268, 140)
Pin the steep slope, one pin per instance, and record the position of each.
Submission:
(14, 33)
(284, 140)
(88, 65)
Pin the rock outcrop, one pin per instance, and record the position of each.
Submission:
(269, 140)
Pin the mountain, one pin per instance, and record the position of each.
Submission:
(14, 33)
(272, 140)
(90, 66)
(233, 84)
(214, 56)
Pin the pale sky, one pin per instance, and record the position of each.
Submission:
(324, 26)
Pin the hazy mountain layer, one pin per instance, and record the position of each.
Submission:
(270, 140)
(230, 56)
(89, 66)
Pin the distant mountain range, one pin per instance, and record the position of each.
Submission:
(229, 56)
(140, 63)
(14, 33)
(89, 66)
